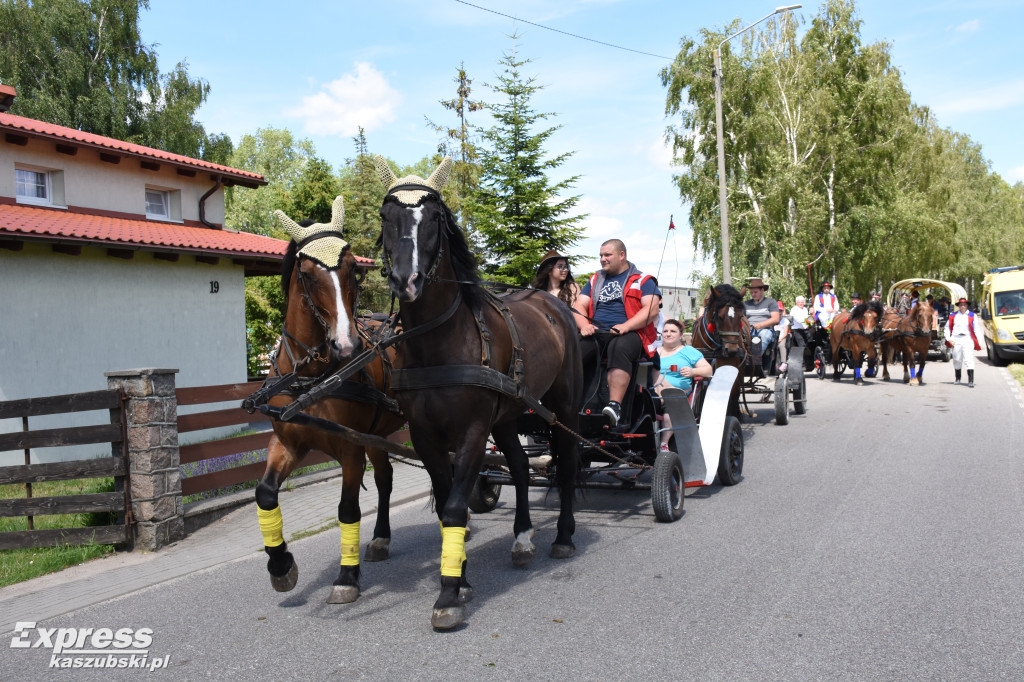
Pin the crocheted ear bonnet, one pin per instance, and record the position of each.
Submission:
(320, 242)
(411, 197)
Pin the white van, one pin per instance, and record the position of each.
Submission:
(1002, 310)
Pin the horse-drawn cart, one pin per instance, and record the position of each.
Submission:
(707, 443)
(907, 287)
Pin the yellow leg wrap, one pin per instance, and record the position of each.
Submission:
(453, 551)
(271, 526)
(349, 543)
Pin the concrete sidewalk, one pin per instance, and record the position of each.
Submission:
(236, 535)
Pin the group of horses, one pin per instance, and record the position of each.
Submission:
(456, 372)
(868, 331)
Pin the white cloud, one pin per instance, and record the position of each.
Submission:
(361, 98)
(969, 26)
(1015, 175)
(993, 98)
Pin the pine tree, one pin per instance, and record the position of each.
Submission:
(314, 192)
(515, 209)
(363, 197)
(458, 144)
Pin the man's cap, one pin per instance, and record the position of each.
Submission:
(757, 282)
(855, 295)
(962, 300)
(826, 284)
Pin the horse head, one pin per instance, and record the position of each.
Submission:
(866, 317)
(724, 317)
(415, 223)
(321, 283)
(921, 316)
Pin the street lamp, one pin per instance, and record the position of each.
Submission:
(722, 202)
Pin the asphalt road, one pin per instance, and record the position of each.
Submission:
(878, 537)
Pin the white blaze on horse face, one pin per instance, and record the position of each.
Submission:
(342, 328)
(417, 216)
(732, 312)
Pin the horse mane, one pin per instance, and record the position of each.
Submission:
(725, 294)
(463, 261)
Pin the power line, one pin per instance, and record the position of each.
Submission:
(572, 35)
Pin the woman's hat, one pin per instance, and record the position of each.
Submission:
(552, 254)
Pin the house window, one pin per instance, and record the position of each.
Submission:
(39, 186)
(157, 204)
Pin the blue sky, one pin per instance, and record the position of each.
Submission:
(323, 69)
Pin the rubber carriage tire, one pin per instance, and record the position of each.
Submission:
(484, 496)
(730, 460)
(800, 396)
(844, 361)
(947, 354)
(781, 401)
(819, 359)
(667, 487)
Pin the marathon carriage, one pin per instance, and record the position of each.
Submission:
(938, 288)
(706, 443)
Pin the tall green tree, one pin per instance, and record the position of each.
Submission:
(314, 192)
(83, 64)
(363, 197)
(516, 208)
(457, 142)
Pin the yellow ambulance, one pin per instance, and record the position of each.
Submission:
(1002, 310)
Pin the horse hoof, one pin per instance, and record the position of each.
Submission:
(562, 551)
(286, 582)
(523, 550)
(465, 594)
(377, 549)
(343, 594)
(447, 618)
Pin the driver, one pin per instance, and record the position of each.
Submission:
(627, 304)
(763, 314)
(826, 305)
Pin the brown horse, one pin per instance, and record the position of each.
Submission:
(320, 331)
(855, 331)
(722, 333)
(469, 366)
(907, 334)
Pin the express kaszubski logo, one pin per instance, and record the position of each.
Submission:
(91, 647)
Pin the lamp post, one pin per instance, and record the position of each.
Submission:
(722, 201)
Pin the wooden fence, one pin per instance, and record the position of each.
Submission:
(199, 452)
(28, 473)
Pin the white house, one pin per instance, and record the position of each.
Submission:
(114, 256)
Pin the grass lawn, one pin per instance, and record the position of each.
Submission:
(17, 565)
(1017, 370)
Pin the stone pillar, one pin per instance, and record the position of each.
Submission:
(151, 410)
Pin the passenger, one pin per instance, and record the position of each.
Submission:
(763, 314)
(826, 305)
(783, 329)
(555, 277)
(855, 300)
(679, 364)
(800, 327)
(626, 303)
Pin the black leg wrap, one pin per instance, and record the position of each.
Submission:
(280, 561)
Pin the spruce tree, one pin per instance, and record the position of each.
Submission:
(515, 209)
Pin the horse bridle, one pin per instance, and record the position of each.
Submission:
(710, 332)
(313, 354)
(385, 270)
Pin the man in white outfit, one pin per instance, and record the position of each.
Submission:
(826, 305)
(964, 332)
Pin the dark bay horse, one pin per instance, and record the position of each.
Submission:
(320, 331)
(855, 331)
(469, 363)
(722, 333)
(908, 334)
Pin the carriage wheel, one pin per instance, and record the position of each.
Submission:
(484, 496)
(781, 401)
(844, 360)
(730, 460)
(819, 362)
(667, 483)
(800, 396)
(947, 354)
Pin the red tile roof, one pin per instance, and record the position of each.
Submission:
(19, 221)
(28, 126)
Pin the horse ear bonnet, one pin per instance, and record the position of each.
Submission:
(411, 197)
(320, 242)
